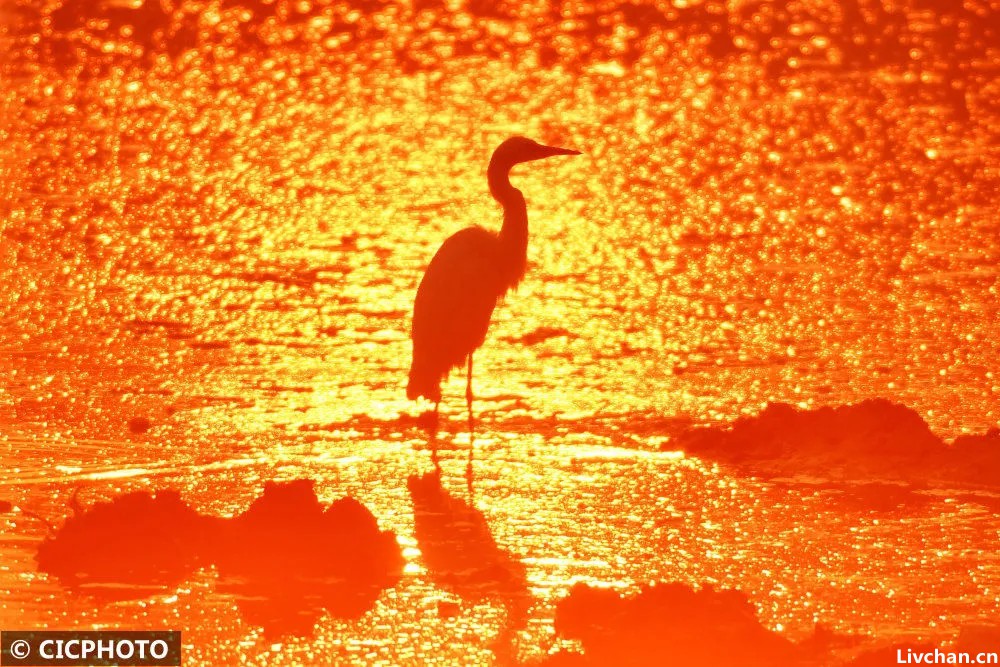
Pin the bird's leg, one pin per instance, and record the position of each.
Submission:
(468, 393)
(468, 401)
(434, 443)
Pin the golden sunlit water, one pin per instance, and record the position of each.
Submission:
(215, 216)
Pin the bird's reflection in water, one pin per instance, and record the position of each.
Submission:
(461, 556)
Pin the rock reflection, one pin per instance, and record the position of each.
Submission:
(462, 556)
(287, 558)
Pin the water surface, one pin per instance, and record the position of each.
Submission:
(215, 220)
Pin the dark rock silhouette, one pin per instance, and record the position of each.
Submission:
(462, 556)
(975, 452)
(287, 558)
(669, 624)
(134, 543)
(872, 439)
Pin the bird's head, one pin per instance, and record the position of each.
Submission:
(521, 149)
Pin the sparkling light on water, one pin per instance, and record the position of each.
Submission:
(216, 214)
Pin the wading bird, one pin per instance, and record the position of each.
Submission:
(471, 271)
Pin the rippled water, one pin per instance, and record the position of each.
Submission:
(216, 221)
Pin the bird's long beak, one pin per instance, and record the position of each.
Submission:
(549, 151)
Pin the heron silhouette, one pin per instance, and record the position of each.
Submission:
(471, 271)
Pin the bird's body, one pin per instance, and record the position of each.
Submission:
(454, 304)
(471, 271)
(469, 274)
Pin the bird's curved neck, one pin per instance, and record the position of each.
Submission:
(513, 234)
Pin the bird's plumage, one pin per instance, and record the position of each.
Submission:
(453, 307)
(471, 271)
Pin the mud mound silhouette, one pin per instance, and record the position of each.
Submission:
(669, 624)
(287, 558)
(872, 439)
(132, 543)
